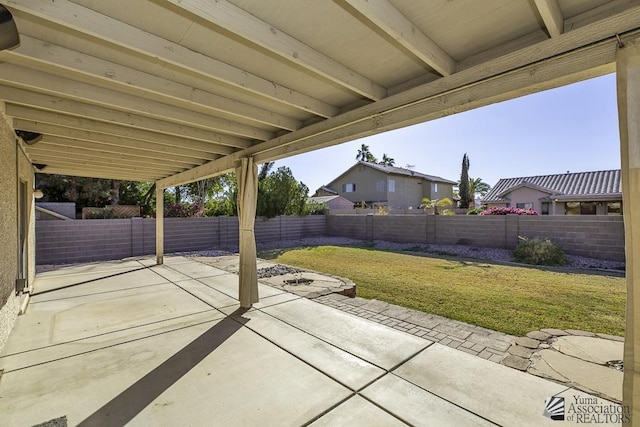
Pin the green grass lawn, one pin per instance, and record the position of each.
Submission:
(510, 299)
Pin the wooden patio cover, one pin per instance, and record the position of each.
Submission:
(174, 91)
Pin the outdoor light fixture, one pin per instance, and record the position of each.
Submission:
(29, 138)
(39, 166)
(9, 37)
(38, 194)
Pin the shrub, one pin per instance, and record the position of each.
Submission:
(476, 211)
(499, 210)
(539, 251)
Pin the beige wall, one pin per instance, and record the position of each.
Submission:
(409, 191)
(365, 179)
(13, 167)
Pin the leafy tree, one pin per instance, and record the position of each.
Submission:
(387, 161)
(223, 202)
(280, 194)
(464, 183)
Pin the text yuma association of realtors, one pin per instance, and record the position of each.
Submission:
(590, 410)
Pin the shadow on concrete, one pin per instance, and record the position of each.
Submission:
(124, 407)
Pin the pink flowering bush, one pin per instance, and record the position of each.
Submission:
(499, 210)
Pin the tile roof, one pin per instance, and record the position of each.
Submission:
(407, 172)
(596, 183)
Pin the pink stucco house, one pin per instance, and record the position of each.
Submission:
(579, 193)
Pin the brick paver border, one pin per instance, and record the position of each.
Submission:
(481, 342)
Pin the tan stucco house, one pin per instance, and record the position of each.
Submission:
(580, 193)
(380, 185)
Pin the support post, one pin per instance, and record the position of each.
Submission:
(159, 224)
(628, 87)
(247, 176)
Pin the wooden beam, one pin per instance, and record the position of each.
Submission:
(60, 159)
(39, 54)
(111, 30)
(580, 64)
(71, 153)
(63, 120)
(97, 173)
(628, 88)
(133, 150)
(159, 225)
(191, 149)
(393, 23)
(247, 26)
(551, 16)
(25, 78)
(81, 109)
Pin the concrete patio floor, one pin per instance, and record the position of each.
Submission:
(128, 342)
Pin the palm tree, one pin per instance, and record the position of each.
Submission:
(435, 204)
(387, 161)
(364, 155)
(477, 186)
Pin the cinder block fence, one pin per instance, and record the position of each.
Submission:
(592, 236)
(96, 240)
(105, 239)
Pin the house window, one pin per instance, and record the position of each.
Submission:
(349, 188)
(434, 187)
(614, 208)
(380, 186)
(572, 208)
(392, 186)
(545, 208)
(587, 208)
(524, 205)
(580, 208)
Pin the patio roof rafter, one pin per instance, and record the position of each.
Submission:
(38, 54)
(235, 20)
(399, 28)
(71, 107)
(563, 68)
(551, 15)
(225, 131)
(38, 118)
(89, 22)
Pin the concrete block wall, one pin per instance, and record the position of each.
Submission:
(592, 236)
(61, 242)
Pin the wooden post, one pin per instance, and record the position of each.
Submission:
(628, 82)
(159, 224)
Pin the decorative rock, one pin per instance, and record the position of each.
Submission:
(610, 337)
(539, 335)
(554, 332)
(544, 345)
(516, 362)
(580, 333)
(520, 351)
(527, 342)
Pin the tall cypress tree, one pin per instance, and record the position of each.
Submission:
(463, 188)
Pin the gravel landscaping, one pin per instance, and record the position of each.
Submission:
(492, 254)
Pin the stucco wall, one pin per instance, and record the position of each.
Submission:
(528, 195)
(13, 167)
(8, 228)
(366, 180)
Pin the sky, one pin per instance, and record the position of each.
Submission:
(572, 128)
